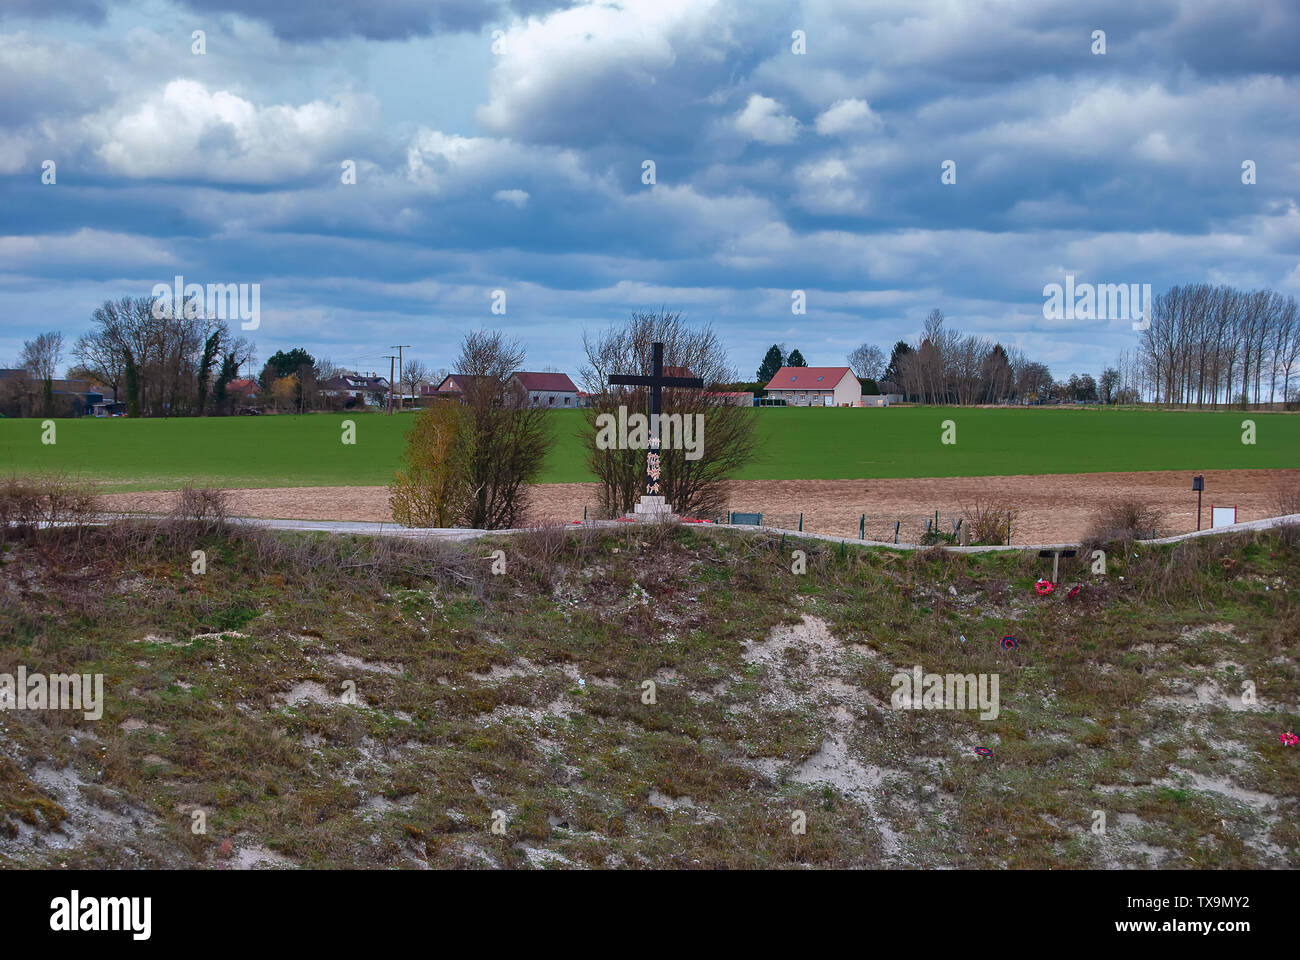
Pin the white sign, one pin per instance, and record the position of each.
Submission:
(1223, 516)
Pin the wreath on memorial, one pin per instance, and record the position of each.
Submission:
(1044, 587)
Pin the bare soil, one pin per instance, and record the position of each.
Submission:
(1051, 509)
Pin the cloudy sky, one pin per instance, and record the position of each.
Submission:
(502, 146)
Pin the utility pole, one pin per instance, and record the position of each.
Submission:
(398, 348)
(391, 360)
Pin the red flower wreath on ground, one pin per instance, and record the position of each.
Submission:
(1044, 587)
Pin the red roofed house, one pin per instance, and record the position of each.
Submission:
(735, 398)
(816, 387)
(243, 389)
(452, 387)
(550, 390)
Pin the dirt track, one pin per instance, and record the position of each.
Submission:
(1052, 509)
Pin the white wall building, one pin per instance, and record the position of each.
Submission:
(816, 387)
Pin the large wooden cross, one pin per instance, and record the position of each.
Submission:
(656, 382)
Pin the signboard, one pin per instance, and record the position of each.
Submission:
(1222, 516)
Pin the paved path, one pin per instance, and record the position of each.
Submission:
(360, 528)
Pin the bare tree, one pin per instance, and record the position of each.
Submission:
(40, 357)
(867, 362)
(414, 373)
(327, 369)
(505, 442)
(727, 442)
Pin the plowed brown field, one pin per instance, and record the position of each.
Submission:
(1051, 509)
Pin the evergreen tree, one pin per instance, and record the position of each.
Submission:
(892, 373)
(132, 378)
(205, 368)
(283, 364)
(795, 359)
(772, 362)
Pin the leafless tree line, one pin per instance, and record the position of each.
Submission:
(948, 367)
(160, 365)
(1209, 345)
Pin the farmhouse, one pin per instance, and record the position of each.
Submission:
(546, 389)
(369, 389)
(816, 387)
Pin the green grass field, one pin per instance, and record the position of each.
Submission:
(800, 444)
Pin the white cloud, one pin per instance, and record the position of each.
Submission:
(519, 198)
(85, 248)
(845, 116)
(188, 130)
(827, 186)
(763, 120)
(603, 66)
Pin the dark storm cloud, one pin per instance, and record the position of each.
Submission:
(775, 171)
(313, 20)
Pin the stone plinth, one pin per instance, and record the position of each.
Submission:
(652, 508)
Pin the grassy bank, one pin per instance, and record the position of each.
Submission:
(229, 693)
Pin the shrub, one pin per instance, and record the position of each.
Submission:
(989, 523)
(431, 489)
(28, 503)
(198, 511)
(1286, 498)
(1125, 520)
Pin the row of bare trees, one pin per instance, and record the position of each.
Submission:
(1209, 345)
(160, 364)
(945, 366)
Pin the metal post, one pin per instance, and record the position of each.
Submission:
(862, 527)
(584, 514)
(1198, 509)
(801, 523)
(896, 523)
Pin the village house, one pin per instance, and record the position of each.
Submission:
(368, 388)
(452, 387)
(550, 390)
(816, 387)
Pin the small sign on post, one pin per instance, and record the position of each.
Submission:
(1056, 556)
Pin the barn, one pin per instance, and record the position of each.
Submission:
(816, 387)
